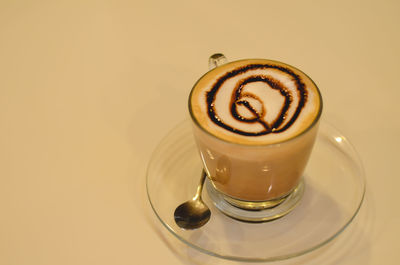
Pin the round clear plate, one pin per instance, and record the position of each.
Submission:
(333, 193)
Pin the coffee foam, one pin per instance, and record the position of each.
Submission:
(255, 102)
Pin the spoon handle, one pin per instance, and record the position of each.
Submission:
(200, 186)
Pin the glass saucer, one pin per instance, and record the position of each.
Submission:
(334, 187)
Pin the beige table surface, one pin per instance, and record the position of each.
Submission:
(88, 89)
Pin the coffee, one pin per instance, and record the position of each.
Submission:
(255, 102)
(255, 123)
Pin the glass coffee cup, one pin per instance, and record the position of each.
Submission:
(255, 122)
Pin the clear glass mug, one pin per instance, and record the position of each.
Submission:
(254, 182)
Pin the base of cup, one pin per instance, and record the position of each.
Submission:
(255, 212)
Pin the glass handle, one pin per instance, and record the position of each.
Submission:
(216, 60)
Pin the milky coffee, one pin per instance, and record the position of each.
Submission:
(255, 123)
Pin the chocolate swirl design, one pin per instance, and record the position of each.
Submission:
(248, 100)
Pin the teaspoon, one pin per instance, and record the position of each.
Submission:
(193, 213)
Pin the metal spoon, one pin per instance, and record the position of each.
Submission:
(193, 213)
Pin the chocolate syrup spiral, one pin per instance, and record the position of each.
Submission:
(239, 97)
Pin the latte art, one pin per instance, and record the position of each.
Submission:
(246, 106)
(255, 102)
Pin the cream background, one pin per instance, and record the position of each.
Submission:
(88, 88)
